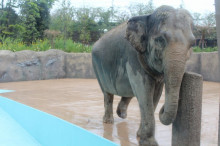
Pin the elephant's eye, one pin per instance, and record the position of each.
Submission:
(160, 41)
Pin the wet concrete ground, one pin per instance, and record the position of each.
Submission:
(80, 101)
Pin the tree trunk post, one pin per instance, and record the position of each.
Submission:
(186, 129)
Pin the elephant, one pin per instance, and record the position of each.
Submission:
(136, 59)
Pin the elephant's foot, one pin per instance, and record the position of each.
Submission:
(122, 111)
(108, 119)
(122, 107)
(148, 142)
(145, 140)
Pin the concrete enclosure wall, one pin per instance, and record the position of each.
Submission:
(205, 64)
(52, 64)
(55, 64)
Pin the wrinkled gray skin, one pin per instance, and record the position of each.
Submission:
(137, 58)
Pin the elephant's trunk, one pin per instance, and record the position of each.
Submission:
(173, 74)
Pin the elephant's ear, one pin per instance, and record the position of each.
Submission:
(136, 32)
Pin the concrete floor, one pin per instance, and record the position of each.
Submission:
(80, 101)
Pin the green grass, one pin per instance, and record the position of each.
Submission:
(209, 49)
(43, 45)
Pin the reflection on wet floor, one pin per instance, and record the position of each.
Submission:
(80, 101)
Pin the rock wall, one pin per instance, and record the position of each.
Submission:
(205, 64)
(79, 65)
(54, 64)
(30, 65)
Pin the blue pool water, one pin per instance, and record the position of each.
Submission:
(12, 133)
(22, 125)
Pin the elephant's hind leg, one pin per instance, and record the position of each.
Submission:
(108, 101)
(122, 107)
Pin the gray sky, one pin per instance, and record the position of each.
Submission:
(200, 6)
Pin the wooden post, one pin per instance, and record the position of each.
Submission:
(186, 130)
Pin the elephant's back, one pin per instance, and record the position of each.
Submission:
(109, 48)
(109, 59)
(109, 41)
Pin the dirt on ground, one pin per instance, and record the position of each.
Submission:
(80, 101)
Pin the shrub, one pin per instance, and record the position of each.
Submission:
(43, 45)
(209, 49)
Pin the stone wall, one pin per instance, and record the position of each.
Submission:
(55, 64)
(52, 64)
(205, 64)
(79, 65)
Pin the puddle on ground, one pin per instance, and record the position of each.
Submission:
(80, 102)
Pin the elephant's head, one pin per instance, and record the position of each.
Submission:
(164, 38)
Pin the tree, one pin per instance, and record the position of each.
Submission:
(141, 9)
(2, 4)
(197, 18)
(11, 15)
(35, 17)
(121, 17)
(104, 19)
(86, 25)
(30, 13)
(63, 18)
(44, 18)
(9, 19)
(43, 21)
(51, 35)
(204, 27)
(66, 18)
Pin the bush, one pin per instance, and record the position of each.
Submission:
(71, 46)
(209, 49)
(43, 45)
(59, 43)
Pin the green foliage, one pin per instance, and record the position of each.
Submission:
(12, 45)
(43, 45)
(30, 12)
(62, 20)
(105, 22)
(13, 31)
(205, 27)
(84, 25)
(35, 17)
(72, 46)
(8, 21)
(44, 19)
(209, 49)
(51, 35)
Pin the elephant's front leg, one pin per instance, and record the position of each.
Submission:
(146, 130)
(156, 97)
(143, 88)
